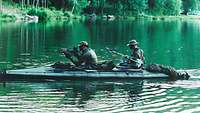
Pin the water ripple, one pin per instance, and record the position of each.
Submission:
(94, 96)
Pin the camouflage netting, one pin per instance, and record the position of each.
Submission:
(170, 71)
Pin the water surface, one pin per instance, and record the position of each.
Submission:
(25, 45)
(175, 43)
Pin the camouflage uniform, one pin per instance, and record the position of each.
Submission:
(137, 55)
(136, 59)
(87, 57)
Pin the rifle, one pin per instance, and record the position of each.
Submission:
(70, 52)
(115, 52)
(138, 62)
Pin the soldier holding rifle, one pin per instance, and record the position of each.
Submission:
(85, 56)
(136, 59)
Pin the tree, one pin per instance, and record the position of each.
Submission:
(137, 6)
(189, 5)
(79, 6)
(151, 4)
(157, 7)
(164, 7)
(171, 7)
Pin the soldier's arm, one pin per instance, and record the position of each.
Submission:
(65, 52)
(142, 56)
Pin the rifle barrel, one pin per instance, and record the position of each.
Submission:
(115, 52)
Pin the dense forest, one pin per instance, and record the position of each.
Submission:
(112, 7)
(121, 7)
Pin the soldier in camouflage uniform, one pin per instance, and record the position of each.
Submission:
(86, 57)
(136, 59)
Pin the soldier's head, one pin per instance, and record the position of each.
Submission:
(82, 45)
(133, 44)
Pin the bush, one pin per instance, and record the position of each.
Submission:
(45, 14)
(68, 14)
(4, 16)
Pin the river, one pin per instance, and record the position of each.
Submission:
(175, 43)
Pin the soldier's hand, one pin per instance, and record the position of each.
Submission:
(66, 52)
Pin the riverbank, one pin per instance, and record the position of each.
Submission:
(155, 18)
(14, 12)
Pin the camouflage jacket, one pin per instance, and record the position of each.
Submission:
(135, 60)
(87, 57)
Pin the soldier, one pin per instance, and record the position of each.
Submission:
(86, 57)
(136, 59)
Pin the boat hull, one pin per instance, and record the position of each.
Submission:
(49, 72)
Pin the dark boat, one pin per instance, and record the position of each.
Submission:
(56, 73)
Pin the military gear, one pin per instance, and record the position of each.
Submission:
(136, 59)
(131, 63)
(70, 52)
(85, 58)
(173, 74)
(105, 65)
(81, 55)
(128, 61)
(137, 54)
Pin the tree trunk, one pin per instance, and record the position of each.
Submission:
(28, 2)
(37, 3)
(22, 4)
(46, 3)
(75, 2)
(33, 3)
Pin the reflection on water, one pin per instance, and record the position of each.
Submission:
(174, 43)
(25, 45)
(97, 96)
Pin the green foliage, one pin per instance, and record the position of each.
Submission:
(164, 7)
(155, 7)
(42, 14)
(171, 7)
(189, 5)
(79, 5)
(7, 17)
(45, 14)
(70, 8)
(68, 14)
(136, 7)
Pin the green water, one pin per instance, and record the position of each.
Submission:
(25, 45)
(175, 43)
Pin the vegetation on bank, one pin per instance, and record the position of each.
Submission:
(7, 17)
(11, 12)
(65, 9)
